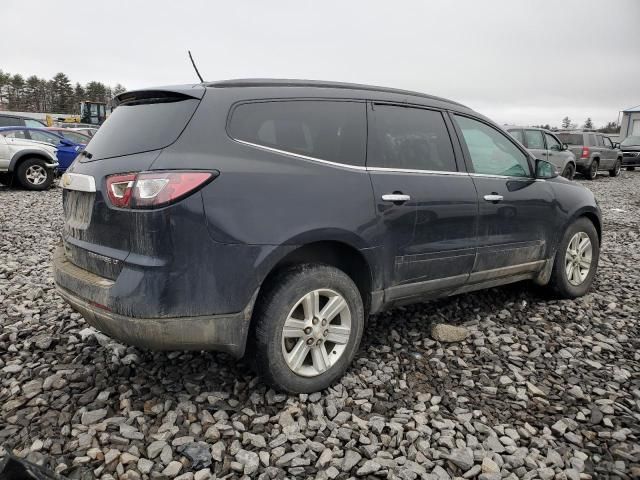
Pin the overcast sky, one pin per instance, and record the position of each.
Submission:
(517, 62)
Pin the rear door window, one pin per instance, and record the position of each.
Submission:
(592, 139)
(410, 138)
(534, 139)
(322, 129)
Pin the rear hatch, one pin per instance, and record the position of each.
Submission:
(575, 141)
(98, 236)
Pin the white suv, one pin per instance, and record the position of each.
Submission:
(31, 163)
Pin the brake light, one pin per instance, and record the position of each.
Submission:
(154, 189)
(119, 189)
(585, 152)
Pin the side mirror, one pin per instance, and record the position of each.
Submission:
(616, 145)
(565, 146)
(545, 169)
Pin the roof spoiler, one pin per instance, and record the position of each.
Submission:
(160, 95)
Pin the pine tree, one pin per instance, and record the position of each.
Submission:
(566, 122)
(588, 124)
(62, 93)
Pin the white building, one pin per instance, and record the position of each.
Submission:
(630, 123)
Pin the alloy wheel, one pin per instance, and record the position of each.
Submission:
(578, 258)
(36, 174)
(316, 332)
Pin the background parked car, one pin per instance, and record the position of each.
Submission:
(630, 148)
(71, 134)
(546, 146)
(67, 150)
(594, 151)
(29, 162)
(85, 128)
(19, 121)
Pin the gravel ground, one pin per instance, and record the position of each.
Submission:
(540, 389)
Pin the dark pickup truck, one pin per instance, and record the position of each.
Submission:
(630, 147)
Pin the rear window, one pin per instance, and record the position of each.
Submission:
(141, 126)
(322, 129)
(571, 138)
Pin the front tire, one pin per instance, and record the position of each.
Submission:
(576, 260)
(592, 173)
(33, 174)
(615, 171)
(309, 323)
(569, 171)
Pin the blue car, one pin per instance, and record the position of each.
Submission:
(67, 149)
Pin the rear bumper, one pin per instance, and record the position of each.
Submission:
(225, 332)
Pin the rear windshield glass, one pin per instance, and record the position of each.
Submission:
(571, 138)
(141, 127)
(326, 130)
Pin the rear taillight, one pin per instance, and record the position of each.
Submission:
(585, 152)
(154, 189)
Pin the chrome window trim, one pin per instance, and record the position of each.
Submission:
(413, 170)
(345, 165)
(378, 169)
(298, 155)
(491, 175)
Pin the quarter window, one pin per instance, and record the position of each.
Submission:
(552, 143)
(410, 138)
(326, 130)
(534, 139)
(491, 152)
(600, 141)
(517, 134)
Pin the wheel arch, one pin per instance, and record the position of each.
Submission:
(23, 155)
(335, 253)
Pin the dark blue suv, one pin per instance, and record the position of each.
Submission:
(271, 217)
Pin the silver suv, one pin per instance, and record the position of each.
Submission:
(594, 151)
(545, 145)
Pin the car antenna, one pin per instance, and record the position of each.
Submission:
(194, 66)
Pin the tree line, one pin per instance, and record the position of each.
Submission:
(567, 124)
(56, 95)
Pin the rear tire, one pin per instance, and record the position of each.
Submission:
(569, 171)
(615, 171)
(298, 297)
(33, 174)
(570, 277)
(592, 172)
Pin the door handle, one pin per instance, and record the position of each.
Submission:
(493, 198)
(396, 197)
